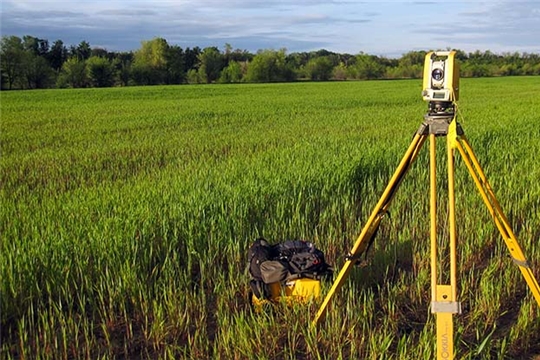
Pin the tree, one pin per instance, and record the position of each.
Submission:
(83, 51)
(57, 55)
(410, 65)
(298, 60)
(211, 62)
(367, 67)
(150, 62)
(340, 72)
(99, 52)
(101, 72)
(122, 64)
(153, 52)
(35, 46)
(175, 72)
(193, 77)
(191, 58)
(319, 68)
(12, 54)
(37, 71)
(156, 62)
(227, 53)
(143, 74)
(73, 74)
(412, 58)
(509, 70)
(240, 56)
(269, 66)
(232, 73)
(475, 69)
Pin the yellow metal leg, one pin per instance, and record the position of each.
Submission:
(373, 222)
(433, 214)
(445, 325)
(452, 222)
(497, 214)
(444, 304)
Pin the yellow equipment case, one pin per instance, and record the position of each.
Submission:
(288, 272)
(293, 291)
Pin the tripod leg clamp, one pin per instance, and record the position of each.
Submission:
(521, 263)
(451, 307)
(352, 257)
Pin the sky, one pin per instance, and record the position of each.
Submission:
(384, 28)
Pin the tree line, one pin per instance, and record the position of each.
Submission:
(32, 63)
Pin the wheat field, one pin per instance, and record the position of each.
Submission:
(127, 214)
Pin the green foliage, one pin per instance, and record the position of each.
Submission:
(37, 71)
(211, 63)
(57, 55)
(83, 51)
(175, 58)
(152, 53)
(319, 68)
(150, 62)
(101, 72)
(144, 74)
(367, 67)
(24, 64)
(12, 56)
(340, 72)
(232, 73)
(127, 214)
(409, 66)
(31, 63)
(73, 74)
(269, 66)
(194, 77)
(471, 69)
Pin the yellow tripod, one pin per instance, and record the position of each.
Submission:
(444, 296)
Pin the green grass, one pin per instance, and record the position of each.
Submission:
(127, 213)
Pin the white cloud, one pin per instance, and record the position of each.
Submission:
(388, 28)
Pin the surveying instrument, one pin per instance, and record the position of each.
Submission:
(441, 91)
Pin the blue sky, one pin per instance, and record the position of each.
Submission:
(388, 28)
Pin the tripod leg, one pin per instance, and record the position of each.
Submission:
(373, 222)
(443, 297)
(497, 214)
(452, 221)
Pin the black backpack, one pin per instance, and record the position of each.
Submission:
(259, 252)
(304, 259)
(292, 259)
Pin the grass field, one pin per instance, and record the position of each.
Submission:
(127, 213)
